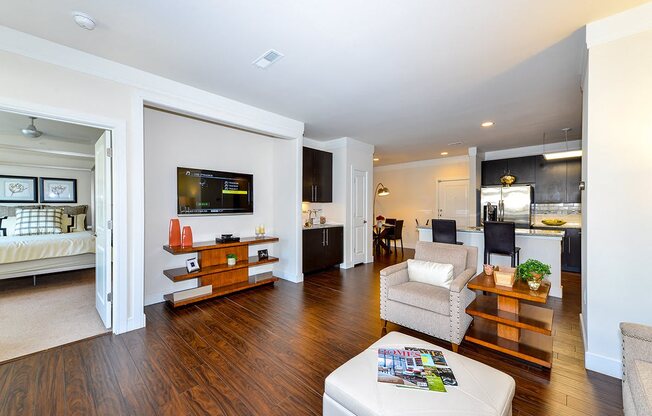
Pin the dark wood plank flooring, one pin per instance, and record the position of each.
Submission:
(267, 352)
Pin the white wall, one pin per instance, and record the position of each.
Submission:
(39, 164)
(172, 141)
(413, 190)
(618, 178)
(54, 81)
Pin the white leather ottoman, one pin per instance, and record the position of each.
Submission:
(353, 389)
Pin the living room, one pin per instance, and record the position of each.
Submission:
(174, 93)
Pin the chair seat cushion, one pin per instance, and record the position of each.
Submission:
(422, 295)
(430, 272)
(640, 383)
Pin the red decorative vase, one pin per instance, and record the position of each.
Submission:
(186, 237)
(175, 233)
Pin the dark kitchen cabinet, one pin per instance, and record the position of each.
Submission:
(523, 168)
(317, 176)
(573, 179)
(322, 248)
(492, 170)
(571, 254)
(550, 184)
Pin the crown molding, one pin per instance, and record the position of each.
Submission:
(620, 25)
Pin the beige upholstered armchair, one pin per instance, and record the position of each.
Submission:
(430, 309)
(637, 369)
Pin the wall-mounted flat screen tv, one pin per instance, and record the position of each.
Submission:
(207, 192)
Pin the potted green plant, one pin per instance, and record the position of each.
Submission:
(231, 259)
(533, 271)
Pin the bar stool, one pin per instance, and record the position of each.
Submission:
(500, 238)
(444, 231)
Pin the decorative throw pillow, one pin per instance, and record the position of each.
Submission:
(10, 210)
(70, 209)
(73, 223)
(429, 272)
(38, 221)
(7, 226)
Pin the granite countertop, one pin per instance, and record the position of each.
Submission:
(519, 231)
(328, 225)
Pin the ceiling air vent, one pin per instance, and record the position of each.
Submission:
(268, 58)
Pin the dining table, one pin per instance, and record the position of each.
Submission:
(380, 235)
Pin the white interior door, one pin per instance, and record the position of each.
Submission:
(103, 226)
(453, 201)
(360, 222)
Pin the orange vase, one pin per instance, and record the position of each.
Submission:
(175, 233)
(186, 237)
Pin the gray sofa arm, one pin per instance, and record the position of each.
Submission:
(462, 279)
(637, 344)
(391, 276)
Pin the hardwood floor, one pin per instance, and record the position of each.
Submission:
(267, 352)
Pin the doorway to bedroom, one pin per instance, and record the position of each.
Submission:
(55, 233)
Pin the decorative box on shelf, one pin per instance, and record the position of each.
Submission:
(504, 276)
(215, 272)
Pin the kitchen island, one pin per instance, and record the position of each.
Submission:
(543, 245)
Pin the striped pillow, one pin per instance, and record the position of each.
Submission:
(38, 221)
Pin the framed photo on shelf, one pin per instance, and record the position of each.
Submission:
(58, 190)
(192, 265)
(263, 255)
(18, 189)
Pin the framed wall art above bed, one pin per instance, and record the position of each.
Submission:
(58, 190)
(18, 189)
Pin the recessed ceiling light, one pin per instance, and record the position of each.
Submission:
(376, 159)
(457, 143)
(83, 20)
(444, 153)
(268, 58)
(487, 124)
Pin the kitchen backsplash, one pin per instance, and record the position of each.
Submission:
(571, 213)
(557, 209)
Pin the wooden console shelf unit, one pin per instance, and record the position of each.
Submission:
(215, 271)
(505, 324)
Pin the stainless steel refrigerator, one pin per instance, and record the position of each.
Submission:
(513, 203)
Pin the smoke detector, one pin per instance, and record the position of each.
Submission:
(83, 20)
(31, 131)
(268, 58)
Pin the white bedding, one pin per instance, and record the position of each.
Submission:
(33, 247)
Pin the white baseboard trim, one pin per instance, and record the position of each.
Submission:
(346, 265)
(154, 298)
(602, 364)
(290, 277)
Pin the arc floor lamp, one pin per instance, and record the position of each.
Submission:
(381, 190)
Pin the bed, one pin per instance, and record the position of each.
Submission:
(50, 253)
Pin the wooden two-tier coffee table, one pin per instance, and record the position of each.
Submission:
(504, 324)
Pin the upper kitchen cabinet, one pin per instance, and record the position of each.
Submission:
(523, 168)
(492, 170)
(573, 179)
(551, 185)
(317, 175)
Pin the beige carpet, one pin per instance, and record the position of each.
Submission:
(58, 310)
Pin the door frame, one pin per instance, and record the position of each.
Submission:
(118, 129)
(468, 199)
(366, 210)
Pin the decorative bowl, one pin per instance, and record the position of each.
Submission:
(554, 222)
(507, 179)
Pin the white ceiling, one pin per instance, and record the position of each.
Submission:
(11, 124)
(407, 76)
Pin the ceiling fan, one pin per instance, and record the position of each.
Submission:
(31, 130)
